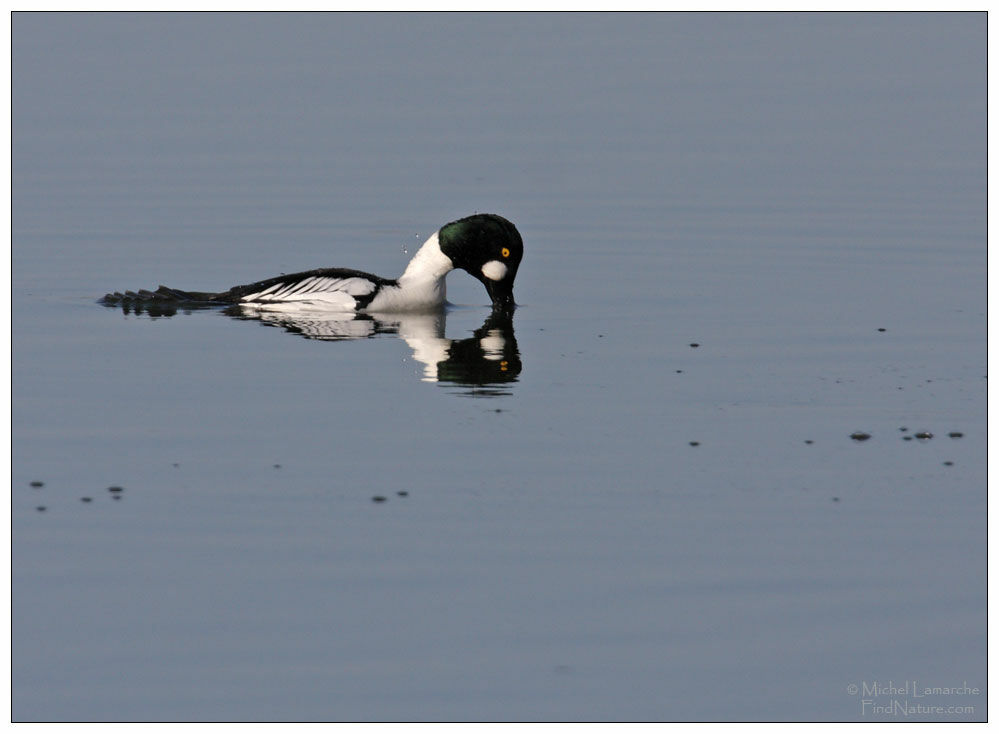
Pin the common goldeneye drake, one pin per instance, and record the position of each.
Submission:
(485, 245)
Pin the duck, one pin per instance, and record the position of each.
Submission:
(486, 246)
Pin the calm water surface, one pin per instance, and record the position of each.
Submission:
(615, 525)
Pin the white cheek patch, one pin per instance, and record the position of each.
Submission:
(494, 270)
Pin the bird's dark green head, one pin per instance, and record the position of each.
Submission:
(489, 248)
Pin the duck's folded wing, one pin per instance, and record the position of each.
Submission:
(331, 289)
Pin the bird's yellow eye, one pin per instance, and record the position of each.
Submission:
(505, 252)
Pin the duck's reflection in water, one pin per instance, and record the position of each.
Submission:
(488, 362)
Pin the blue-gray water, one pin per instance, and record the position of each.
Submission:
(802, 196)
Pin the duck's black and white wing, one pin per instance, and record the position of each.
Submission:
(328, 289)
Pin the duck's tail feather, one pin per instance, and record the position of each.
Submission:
(163, 296)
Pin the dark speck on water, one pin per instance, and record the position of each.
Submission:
(695, 345)
(924, 435)
(955, 434)
(86, 499)
(402, 493)
(378, 498)
(860, 436)
(40, 508)
(809, 441)
(948, 463)
(695, 443)
(37, 484)
(115, 490)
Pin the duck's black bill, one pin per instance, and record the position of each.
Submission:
(501, 293)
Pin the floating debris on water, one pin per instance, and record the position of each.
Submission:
(906, 438)
(955, 434)
(402, 493)
(86, 499)
(860, 436)
(695, 443)
(40, 508)
(36, 484)
(948, 463)
(881, 328)
(115, 490)
(695, 345)
(378, 498)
